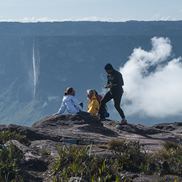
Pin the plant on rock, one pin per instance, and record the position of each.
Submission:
(9, 161)
(10, 156)
(127, 156)
(80, 162)
(8, 135)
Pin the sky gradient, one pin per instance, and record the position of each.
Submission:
(90, 10)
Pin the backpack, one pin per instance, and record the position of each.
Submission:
(104, 113)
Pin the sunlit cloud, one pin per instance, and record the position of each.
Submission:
(152, 83)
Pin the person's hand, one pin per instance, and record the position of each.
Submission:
(109, 86)
(55, 114)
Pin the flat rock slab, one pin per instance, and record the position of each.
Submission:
(88, 130)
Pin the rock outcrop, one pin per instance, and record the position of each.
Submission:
(46, 134)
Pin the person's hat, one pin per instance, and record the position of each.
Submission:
(108, 67)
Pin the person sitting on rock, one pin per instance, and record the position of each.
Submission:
(70, 103)
(93, 106)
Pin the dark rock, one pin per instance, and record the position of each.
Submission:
(66, 121)
(34, 165)
(139, 129)
(169, 126)
(31, 159)
(52, 131)
(1, 147)
(165, 168)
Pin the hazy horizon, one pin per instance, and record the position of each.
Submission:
(87, 10)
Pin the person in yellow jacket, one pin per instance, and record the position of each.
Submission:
(93, 106)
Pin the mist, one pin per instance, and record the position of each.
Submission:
(153, 81)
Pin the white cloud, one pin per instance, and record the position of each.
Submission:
(63, 79)
(155, 93)
(102, 77)
(26, 20)
(51, 98)
(45, 104)
(46, 19)
(158, 17)
(107, 18)
(95, 18)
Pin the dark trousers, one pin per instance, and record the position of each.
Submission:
(81, 104)
(116, 96)
(83, 113)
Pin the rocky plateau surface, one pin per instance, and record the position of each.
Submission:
(66, 130)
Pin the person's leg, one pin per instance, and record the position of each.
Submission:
(81, 104)
(107, 97)
(117, 100)
(83, 113)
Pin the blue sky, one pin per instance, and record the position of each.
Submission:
(90, 10)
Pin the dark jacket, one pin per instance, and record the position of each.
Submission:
(115, 78)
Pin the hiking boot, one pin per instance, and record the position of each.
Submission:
(123, 121)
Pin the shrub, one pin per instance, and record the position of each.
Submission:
(129, 155)
(10, 156)
(80, 163)
(7, 135)
(76, 162)
(171, 145)
(117, 145)
(9, 161)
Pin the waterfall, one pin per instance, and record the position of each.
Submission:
(35, 70)
(34, 73)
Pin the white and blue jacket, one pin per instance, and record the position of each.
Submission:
(70, 103)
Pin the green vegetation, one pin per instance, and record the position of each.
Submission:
(127, 156)
(10, 157)
(8, 135)
(81, 162)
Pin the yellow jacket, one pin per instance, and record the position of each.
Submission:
(93, 106)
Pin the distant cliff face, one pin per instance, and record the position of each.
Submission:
(38, 61)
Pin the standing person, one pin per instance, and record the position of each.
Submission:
(93, 106)
(70, 103)
(115, 83)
